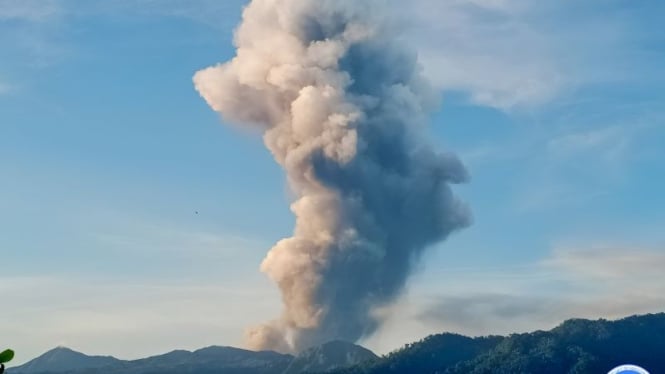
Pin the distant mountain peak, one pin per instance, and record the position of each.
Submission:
(61, 359)
(342, 343)
(328, 356)
(214, 359)
(62, 348)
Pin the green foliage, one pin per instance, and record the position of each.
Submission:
(6, 356)
(428, 355)
(575, 347)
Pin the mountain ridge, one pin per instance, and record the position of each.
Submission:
(212, 359)
(63, 358)
(329, 356)
(575, 346)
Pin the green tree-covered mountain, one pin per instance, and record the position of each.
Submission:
(576, 346)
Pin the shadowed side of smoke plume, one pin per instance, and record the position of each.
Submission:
(342, 107)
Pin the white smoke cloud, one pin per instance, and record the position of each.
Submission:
(341, 104)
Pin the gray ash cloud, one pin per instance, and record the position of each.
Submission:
(342, 106)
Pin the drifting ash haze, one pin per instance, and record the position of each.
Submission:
(342, 107)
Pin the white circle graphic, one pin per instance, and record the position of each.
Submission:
(628, 369)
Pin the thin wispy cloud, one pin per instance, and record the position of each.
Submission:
(547, 194)
(609, 263)
(135, 318)
(5, 88)
(29, 39)
(491, 50)
(586, 282)
(28, 10)
(609, 141)
(39, 34)
(171, 240)
(220, 15)
(572, 160)
(513, 54)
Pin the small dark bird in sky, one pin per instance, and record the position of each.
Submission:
(196, 212)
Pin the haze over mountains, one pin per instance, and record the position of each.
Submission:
(332, 355)
(576, 346)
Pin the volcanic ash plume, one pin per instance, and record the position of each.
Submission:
(341, 106)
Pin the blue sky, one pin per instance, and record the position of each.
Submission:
(107, 152)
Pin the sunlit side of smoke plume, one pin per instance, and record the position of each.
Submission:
(342, 107)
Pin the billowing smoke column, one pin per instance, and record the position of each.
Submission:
(341, 106)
